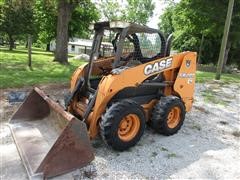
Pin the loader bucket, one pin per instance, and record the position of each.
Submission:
(50, 140)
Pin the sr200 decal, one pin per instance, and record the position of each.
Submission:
(157, 66)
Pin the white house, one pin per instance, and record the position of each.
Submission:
(83, 46)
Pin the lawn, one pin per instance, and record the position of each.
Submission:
(14, 71)
(225, 78)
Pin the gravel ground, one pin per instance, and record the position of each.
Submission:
(207, 146)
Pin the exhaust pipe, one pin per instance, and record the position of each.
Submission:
(50, 140)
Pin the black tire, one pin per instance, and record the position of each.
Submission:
(159, 121)
(110, 122)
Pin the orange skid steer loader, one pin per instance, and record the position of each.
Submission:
(130, 81)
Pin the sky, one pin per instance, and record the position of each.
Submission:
(159, 9)
(160, 5)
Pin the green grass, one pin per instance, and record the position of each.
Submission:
(203, 77)
(14, 71)
(164, 149)
(211, 96)
(171, 155)
(197, 127)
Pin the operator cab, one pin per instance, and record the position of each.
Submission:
(127, 44)
(130, 44)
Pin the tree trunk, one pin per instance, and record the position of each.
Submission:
(11, 43)
(200, 51)
(224, 39)
(48, 47)
(226, 54)
(26, 45)
(30, 51)
(64, 16)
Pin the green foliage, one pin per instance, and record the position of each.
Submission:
(166, 19)
(111, 10)
(17, 18)
(137, 11)
(190, 19)
(84, 14)
(46, 10)
(46, 19)
(15, 72)
(39, 18)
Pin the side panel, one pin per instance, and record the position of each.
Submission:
(185, 82)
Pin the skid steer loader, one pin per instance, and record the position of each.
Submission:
(130, 80)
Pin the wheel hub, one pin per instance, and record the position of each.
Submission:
(128, 127)
(173, 117)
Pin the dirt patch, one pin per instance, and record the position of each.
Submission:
(207, 146)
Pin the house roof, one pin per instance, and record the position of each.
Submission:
(85, 42)
(81, 42)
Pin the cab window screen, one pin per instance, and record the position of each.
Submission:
(150, 44)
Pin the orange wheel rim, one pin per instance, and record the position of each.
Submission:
(173, 117)
(128, 127)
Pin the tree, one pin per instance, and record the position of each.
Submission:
(82, 17)
(139, 11)
(136, 11)
(65, 9)
(46, 20)
(166, 20)
(193, 19)
(224, 39)
(111, 10)
(16, 18)
(30, 51)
